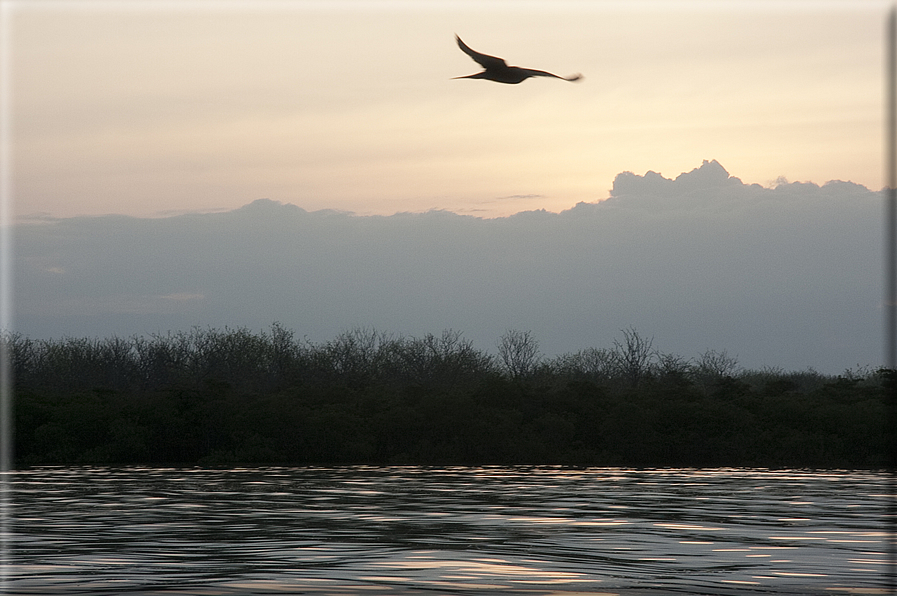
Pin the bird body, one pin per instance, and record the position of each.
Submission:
(496, 69)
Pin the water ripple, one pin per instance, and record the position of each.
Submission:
(536, 530)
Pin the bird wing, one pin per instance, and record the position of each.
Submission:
(542, 73)
(483, 60)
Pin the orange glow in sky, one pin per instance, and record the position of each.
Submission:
(146, 108)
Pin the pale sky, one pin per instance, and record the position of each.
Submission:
(153, 108)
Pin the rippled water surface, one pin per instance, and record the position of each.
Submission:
(387, 530)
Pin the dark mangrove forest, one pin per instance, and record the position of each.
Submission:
(222, 397)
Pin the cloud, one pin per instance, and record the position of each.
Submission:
(182, 296)
(513, 197)
(705, 186)
(785, 276)
(79, 307)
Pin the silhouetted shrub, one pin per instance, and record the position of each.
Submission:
(220, 397)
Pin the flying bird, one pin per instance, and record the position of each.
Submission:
(498, 70)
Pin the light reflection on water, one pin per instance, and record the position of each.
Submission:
(532, 530)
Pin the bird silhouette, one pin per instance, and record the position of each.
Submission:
(496, 69)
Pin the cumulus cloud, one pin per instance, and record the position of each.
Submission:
(785, 276)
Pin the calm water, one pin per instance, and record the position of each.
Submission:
(415, 530)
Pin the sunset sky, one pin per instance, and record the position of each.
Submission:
(156, 108)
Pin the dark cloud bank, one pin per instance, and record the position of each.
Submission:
(787, 277)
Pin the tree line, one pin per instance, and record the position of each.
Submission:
(222, 397)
